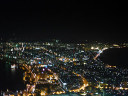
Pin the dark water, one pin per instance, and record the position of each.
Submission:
(10, 79)
(115, 56)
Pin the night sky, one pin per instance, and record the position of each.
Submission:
(64, 19)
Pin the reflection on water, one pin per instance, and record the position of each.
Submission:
(13, 71)
(11, 79)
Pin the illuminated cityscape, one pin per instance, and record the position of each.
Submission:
(63, 48)
(56, 68)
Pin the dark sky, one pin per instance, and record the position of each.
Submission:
(64, 19)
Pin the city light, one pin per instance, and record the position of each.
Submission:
(48, 70)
